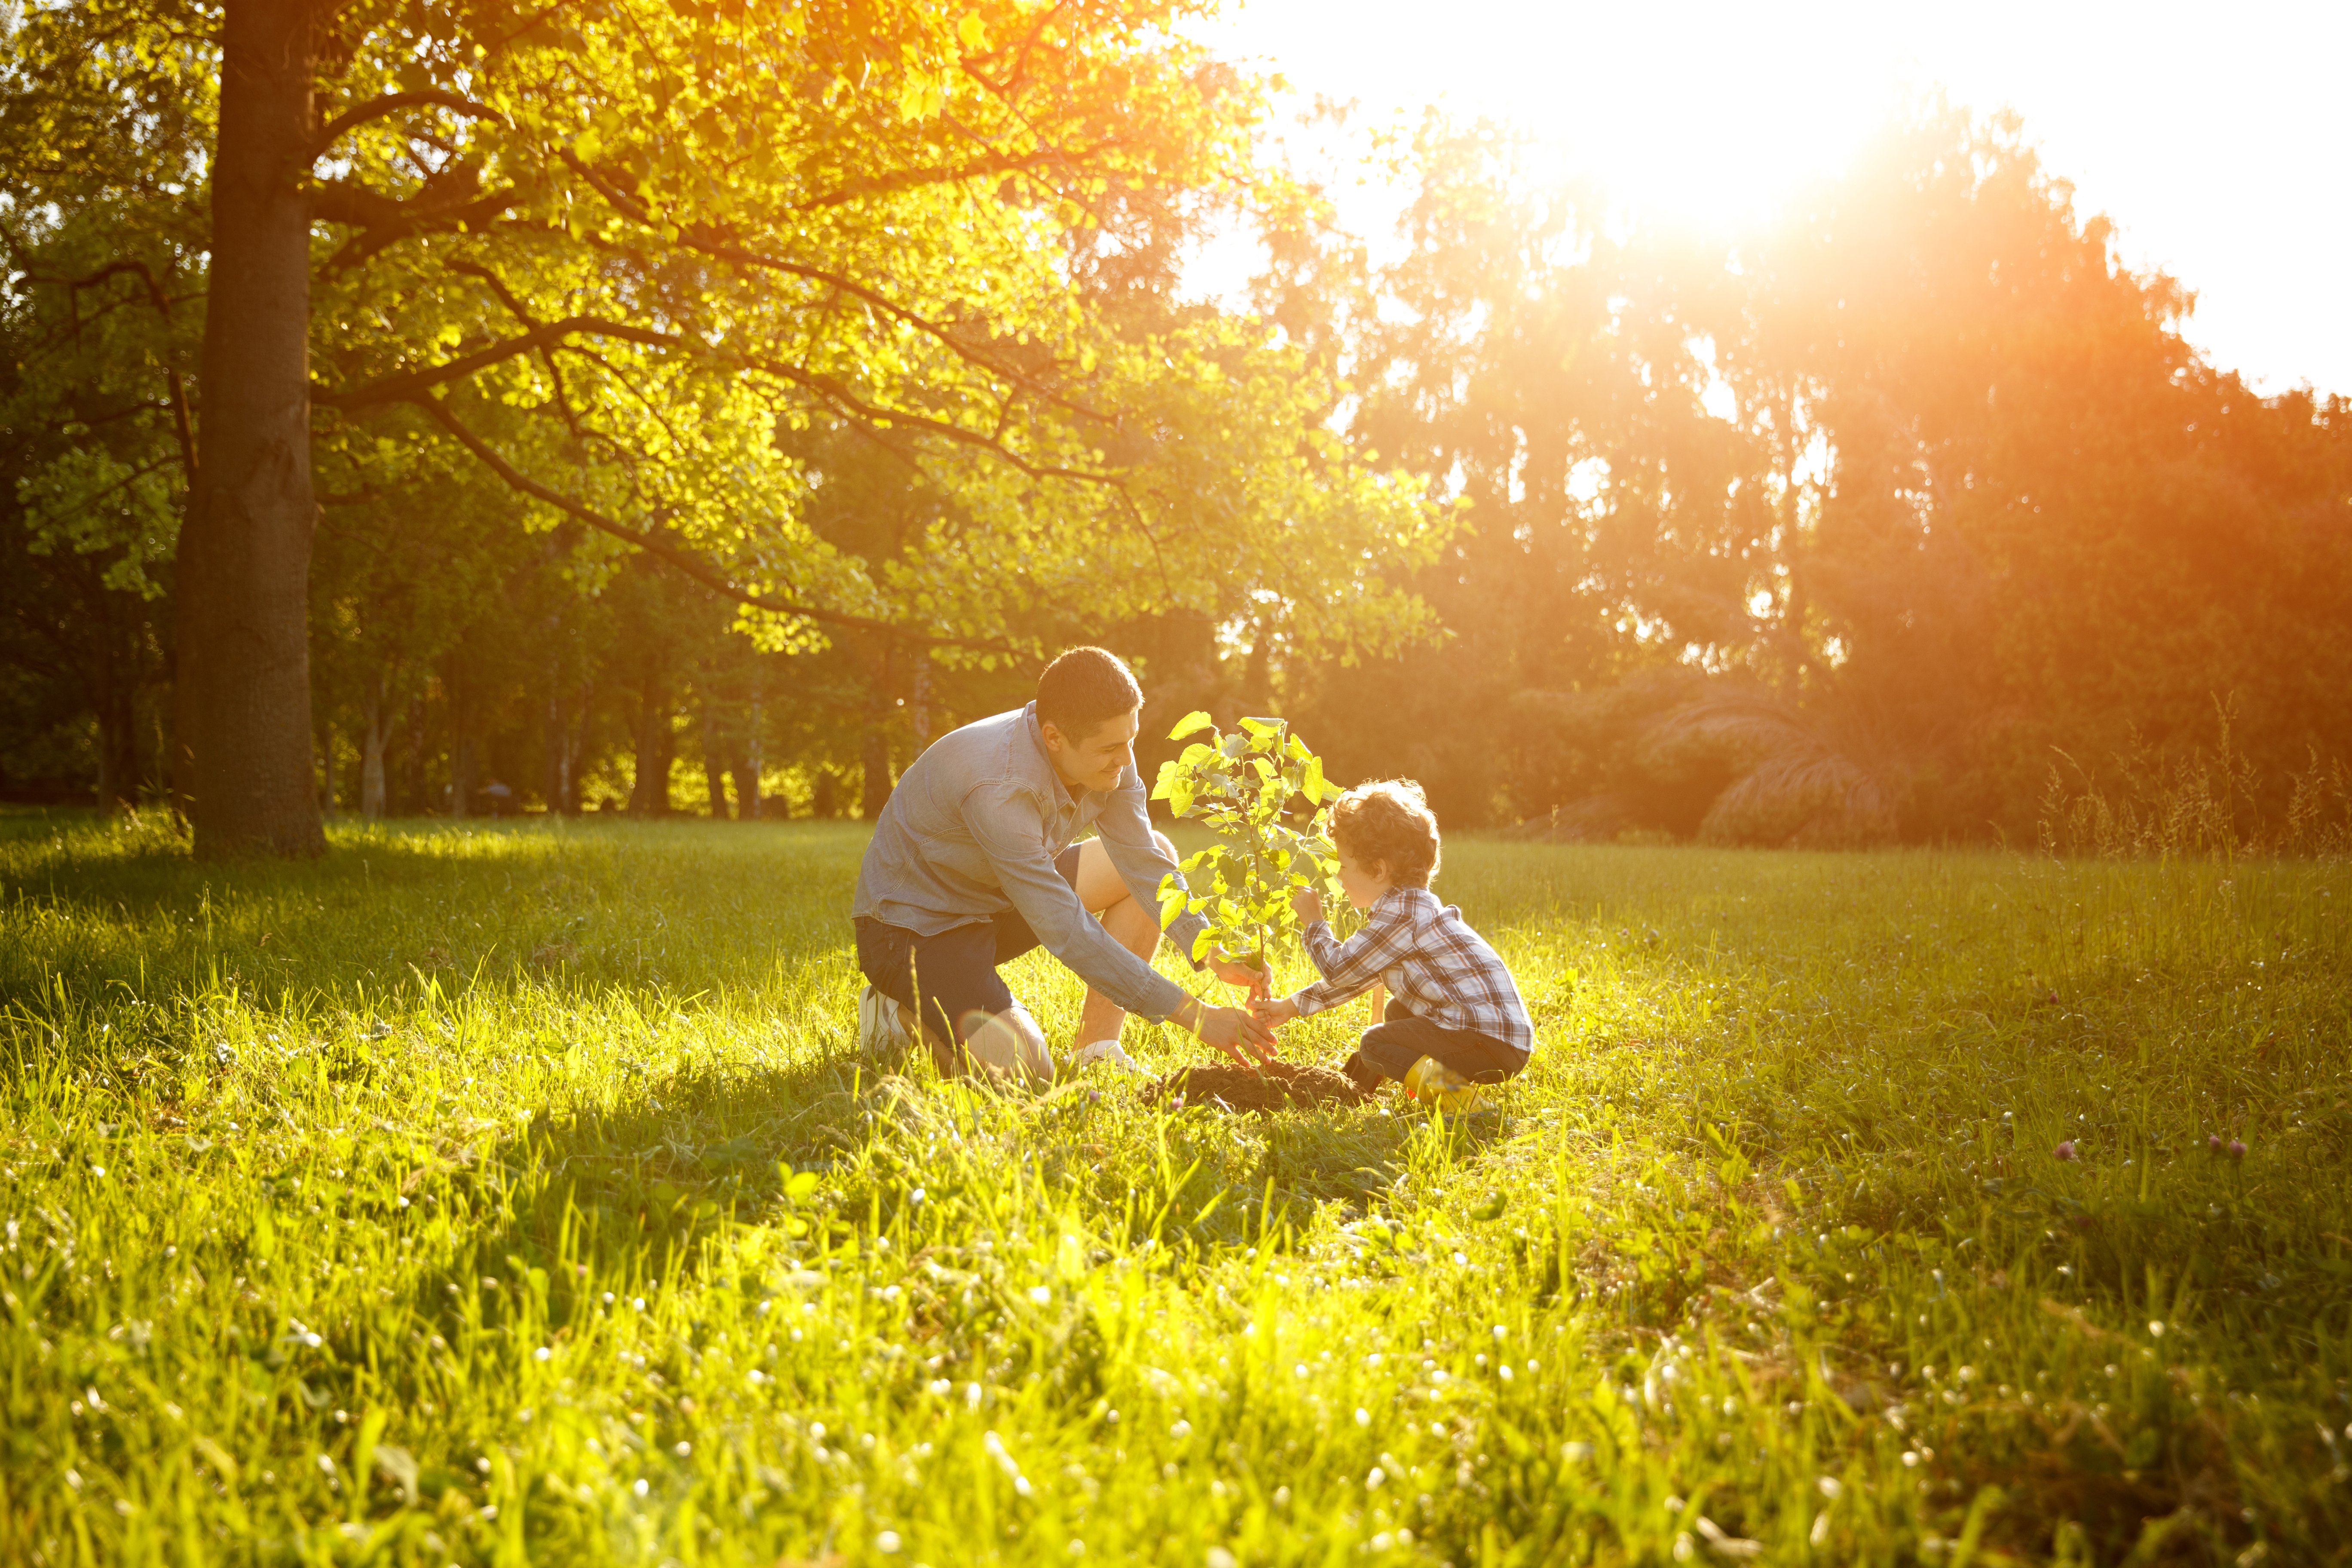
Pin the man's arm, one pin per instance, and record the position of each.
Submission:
(1007, 825)
(1350, 968)
(1125, 826)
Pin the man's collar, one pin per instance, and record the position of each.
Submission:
(1045, 759)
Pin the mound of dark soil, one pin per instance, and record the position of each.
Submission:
(1283, 1086)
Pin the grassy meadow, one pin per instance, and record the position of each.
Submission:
(511, 1194)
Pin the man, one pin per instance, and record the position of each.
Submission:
(972, 864)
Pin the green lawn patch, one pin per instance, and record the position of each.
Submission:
(512, 1193)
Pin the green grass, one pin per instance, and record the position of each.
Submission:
(510, 1195)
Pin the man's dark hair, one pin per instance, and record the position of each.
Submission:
(1083, 688)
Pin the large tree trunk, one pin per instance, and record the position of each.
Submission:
(245, 548)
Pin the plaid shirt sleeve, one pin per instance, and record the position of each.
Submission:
(1348, 968)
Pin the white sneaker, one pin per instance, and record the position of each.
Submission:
(881, 1038)
(1109, 1054)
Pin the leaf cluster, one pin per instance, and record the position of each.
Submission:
(1241, 786)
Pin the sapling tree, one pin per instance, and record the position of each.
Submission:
(1241, 786)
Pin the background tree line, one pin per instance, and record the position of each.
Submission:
(1856, 529)
(632, 485)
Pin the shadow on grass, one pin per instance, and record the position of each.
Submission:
(634, 1194)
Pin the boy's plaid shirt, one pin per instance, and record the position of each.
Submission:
(1433, 962)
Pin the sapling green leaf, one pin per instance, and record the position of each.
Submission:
(1240, 786)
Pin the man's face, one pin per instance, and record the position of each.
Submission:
(1095, 761)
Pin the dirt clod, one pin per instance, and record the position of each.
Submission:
(1284, 1086)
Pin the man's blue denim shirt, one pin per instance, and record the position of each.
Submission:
(972, 831)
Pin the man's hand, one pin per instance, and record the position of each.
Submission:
(1307, 905)
(1231, 1030)
(1274, 1013)
(1234, 971)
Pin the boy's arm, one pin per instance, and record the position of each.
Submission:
(1351, 967)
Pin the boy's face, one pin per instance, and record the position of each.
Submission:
(1363, 884)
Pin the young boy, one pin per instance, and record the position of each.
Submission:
(1454, 1019)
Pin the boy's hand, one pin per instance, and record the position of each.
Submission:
(1234, 971)
(1275, 1013)
(1307, 905)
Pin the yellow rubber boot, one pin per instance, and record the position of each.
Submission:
(1431, 1083)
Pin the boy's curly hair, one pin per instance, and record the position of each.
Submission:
(1389, 820)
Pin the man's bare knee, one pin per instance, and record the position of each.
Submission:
(1010, 1047)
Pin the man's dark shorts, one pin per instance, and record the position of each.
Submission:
(1402, 1037)
(943, 977)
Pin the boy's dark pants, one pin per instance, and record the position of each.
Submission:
(1390, 1047)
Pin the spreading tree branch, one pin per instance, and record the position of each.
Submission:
(390, 104)
(692, 566)
(408, 387)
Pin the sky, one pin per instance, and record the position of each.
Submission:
(2217, 138)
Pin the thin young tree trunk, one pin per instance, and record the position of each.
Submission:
(325, 773)
(111, 692)
(876, 760)
(413, 764)
(714, 761)
(557, 745)
(649, 790)
(243, 588)
(747, 759)
(875, 793)
(461, 741)
(371, 790)
(575, 746)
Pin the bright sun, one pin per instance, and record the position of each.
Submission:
(1692, 115)
(2205, 134)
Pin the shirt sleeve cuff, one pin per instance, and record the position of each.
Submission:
(1188, 927)
(1164, 998)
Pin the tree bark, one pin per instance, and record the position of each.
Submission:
(111, 688)
(575, 746)
(372, 780)
(556, 785)
(748, 760)
(656, 744)
(245, 548)
(714, 759)
(874, 790)
(324, 769)
(875, 793)
(411, 767)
